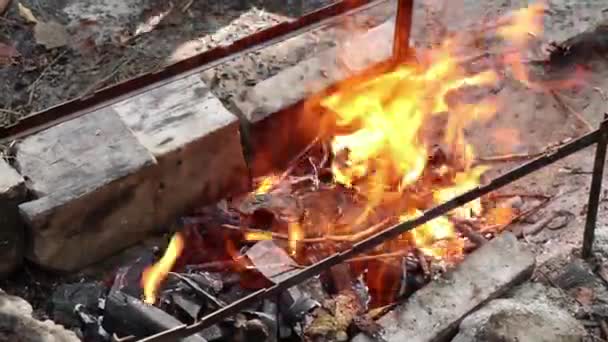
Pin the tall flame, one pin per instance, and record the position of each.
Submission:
(385, 149)
(386, 114)
(154, 275)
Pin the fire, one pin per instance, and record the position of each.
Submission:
(154, 275)
(266, 184)
(380, 147)
(295, 233)
(385, 116)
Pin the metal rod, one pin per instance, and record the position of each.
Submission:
(403, 29)
(36, 122)
(596, 190)
(442, 209)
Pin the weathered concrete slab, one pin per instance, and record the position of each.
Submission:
(434, 312)
(105, 180)
(93, 199)
(195, 140)
(12, 193)
(294, 84)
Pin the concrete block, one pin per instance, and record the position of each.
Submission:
(92, 196)
(195, 140)
(434, 312)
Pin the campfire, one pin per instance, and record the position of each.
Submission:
(392, 145)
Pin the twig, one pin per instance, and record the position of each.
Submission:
(376, 313)
(467, 228)
(102, 81)
(570, 110)
(518, 194)
(199, 290)
(601, 92)
(379, 256)
(42, 74)
(424, 264)
(327, 238)
(294, 162)
(8, 111)
(521, 216)
(510, 157)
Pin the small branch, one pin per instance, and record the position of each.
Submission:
(379, 256)
(521, 156)
(327, 238)
(42, 74)
(558, 98)
(8, 111)
(468, 229)
(424, 264)
(102, 81)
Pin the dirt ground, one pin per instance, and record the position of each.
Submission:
(52, 51)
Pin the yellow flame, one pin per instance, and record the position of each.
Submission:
(266, 184)
(153, 276)
(295, 234)
(434, 238)
(258, 236)
(385, 114)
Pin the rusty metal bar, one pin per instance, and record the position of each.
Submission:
(442, 209)
(595, 190)
(403, 29)
(69, 110)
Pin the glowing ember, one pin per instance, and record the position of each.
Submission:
(154, 275)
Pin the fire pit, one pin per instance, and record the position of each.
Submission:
(386, 197)
(368, 182)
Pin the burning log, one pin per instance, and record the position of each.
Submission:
(128, 316)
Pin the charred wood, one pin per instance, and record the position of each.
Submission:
(128, 316)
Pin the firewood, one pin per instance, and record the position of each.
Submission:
(128, 316)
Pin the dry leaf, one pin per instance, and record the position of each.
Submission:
(4, 4)
(7, 54)
(51, 35)
(26, 14)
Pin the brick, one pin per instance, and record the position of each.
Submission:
(12, 192)
(434, 312)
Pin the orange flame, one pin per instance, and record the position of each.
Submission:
(295, 234)
(385, 150)
(153, 276)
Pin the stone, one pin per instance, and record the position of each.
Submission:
(93, 198)
(17, 323)
(12, 237)
(509, 320)
(434, 312)
(313, 75)
(67, 296)
(195, 140)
